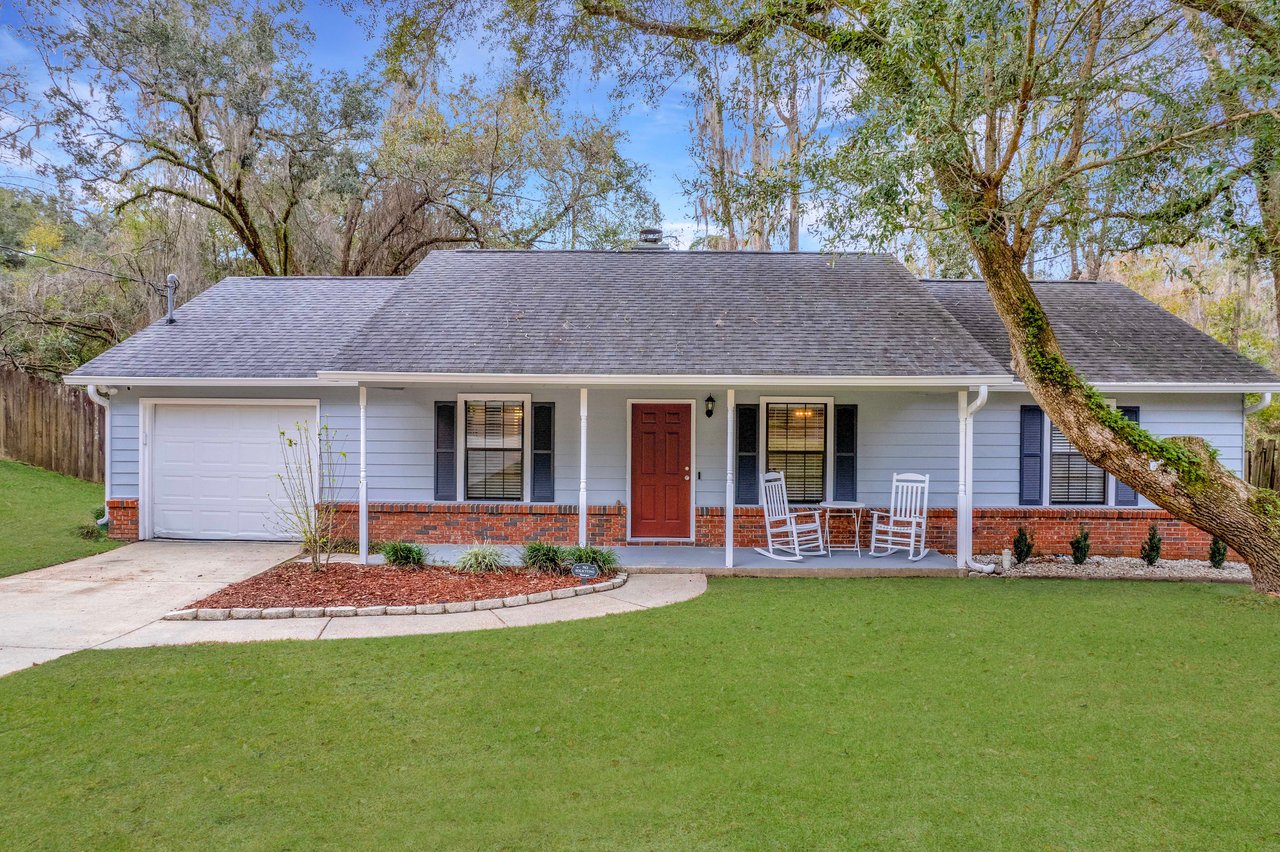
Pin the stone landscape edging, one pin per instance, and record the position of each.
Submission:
(250, 613)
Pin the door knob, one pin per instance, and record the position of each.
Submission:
(686, 477)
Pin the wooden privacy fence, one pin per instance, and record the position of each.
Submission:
(1260, 465)
(51, 425)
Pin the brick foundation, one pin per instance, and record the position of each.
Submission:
(1113, 532)
(123, 516)
(498, 523)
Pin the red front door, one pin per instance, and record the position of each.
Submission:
(661, 467)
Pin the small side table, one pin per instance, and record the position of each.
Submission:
(854, 510)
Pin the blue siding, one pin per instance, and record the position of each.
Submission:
(1219, 418)
(897, 432)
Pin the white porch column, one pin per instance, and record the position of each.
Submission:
(964, 519)
(582, 468)
(729, 494)
(364, 482)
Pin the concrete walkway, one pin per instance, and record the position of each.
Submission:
(639, 592)
(116, 600)
(83, 604)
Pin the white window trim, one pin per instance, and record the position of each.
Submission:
(828, 449)
(1046, 455)
(526, 448)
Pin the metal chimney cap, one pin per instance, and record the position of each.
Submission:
(650, 240)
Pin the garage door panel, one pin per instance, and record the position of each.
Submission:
(216, 469)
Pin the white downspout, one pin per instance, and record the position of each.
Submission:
(103, 398)
(1259, 405)
(964, 526)
(582, 469)
(728, 480)
(364, 481)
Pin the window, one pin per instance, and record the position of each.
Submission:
(1071, 478)
(494, 442)
(796, 445)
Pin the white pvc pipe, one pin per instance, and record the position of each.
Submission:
(364, 481)
(729, 495)
(103, 398)
(582, 469)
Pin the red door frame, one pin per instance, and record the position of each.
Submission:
(676, 482)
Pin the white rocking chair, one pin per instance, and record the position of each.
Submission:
(794, 535)
(903, 526)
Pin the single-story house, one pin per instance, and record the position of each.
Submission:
(636, 397)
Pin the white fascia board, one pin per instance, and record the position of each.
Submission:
(1167, 387)
(201, 382)
(667, 380)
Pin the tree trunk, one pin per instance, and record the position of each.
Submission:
(1178, 474)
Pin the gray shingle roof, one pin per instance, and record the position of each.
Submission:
(665, 313)
(1108, 332)
(654, 313)
(250, 328)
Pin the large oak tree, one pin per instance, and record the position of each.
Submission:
(986, 114)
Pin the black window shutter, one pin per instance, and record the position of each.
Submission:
(1031, 457)
(1126, 496)
(543, 475)
(747, 490)
(446, 451)
(846, 460)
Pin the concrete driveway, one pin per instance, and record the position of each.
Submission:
(86, 603)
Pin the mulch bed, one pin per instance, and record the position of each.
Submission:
(295, 584)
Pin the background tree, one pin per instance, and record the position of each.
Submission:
(194, 139)
(757, 121)
(989, 110)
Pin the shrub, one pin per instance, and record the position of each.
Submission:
(545, 558)
(91, 531)
(1217, 552)
(1151, 547)
(604, 559)
(404, 555)
(1080, 546)
(1023, 544)
(481, 559)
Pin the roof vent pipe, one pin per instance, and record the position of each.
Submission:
(170, 287)
(650, 240)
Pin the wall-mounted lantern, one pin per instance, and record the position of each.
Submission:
(711, 405)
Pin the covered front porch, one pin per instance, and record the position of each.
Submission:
(579, 463)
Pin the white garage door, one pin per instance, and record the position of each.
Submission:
(215, 468)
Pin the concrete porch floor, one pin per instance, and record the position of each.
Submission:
(747, 562)
(674, 559)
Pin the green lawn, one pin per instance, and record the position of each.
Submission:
(39, 513)
(793, 713)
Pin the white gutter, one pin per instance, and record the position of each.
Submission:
(668, 380)
(204, 382)
(964, 496)
(103, 398)
(1164, 387)
(1259, 405)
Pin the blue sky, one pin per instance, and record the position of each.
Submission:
(657, 134)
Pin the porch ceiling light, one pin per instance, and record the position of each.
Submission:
(710, 405)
